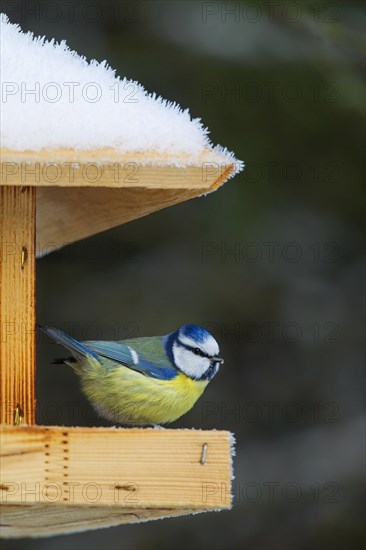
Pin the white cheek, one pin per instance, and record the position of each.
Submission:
(189, 363)
(210, 346)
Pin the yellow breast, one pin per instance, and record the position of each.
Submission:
(125, 396)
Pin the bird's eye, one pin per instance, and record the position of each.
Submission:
(197, 351)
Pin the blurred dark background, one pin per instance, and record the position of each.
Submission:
(272, 263)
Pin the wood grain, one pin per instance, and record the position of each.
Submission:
(79, 478)
(44, 520)
(67, 215)
(17, 302)
(109, 168)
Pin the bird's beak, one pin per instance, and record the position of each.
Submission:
(218, 360)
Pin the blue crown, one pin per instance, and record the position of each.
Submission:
(196, 333)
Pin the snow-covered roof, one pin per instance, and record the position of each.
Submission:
(54, 98)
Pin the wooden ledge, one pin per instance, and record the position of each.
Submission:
(108, 168)
(58, 480)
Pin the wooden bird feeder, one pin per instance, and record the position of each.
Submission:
(67, 479)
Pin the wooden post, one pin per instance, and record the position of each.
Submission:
(17, 304)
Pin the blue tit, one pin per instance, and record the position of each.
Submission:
(143, 381)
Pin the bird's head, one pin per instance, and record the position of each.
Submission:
(194, 351)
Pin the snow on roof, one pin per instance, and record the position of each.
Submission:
(54, 98)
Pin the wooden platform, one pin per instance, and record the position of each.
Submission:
(56, 480)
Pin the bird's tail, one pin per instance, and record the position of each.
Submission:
(78, 349)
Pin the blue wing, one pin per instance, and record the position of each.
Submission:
(121, 353)
(129, 357)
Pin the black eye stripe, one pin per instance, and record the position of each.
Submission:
(193, 350)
